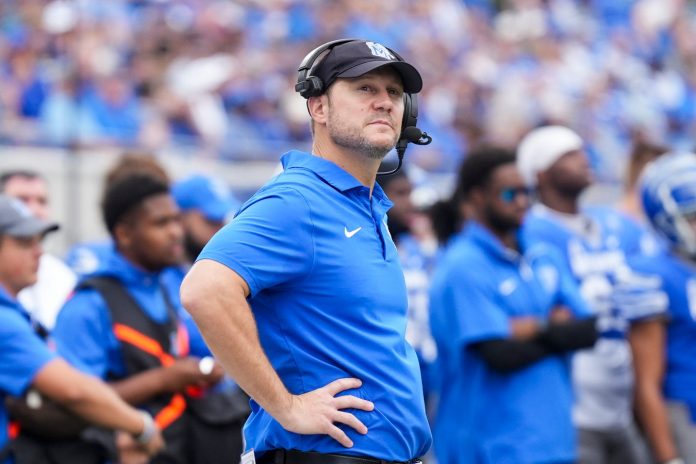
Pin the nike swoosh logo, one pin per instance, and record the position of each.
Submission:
(350, 233)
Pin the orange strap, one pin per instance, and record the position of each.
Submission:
(126, 334)
(139, 340)
(13, 429)
(171, 412)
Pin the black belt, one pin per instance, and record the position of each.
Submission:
(309, 457)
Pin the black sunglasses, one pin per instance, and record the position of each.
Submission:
(508, 195)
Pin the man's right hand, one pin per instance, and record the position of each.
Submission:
(318, 411)
(132, 452)
(185, 372)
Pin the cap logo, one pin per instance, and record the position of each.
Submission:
(20, 208)
(380, 51)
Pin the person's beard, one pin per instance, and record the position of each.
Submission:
(352, 138)
(500, 223)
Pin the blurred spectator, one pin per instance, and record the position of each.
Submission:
(55, 280)
(418, 252)
(123, 323)
(504, 318)
(85, 258)
(663, 338)
(206, 204)
(642, 153)
(27, 366)
(183, 74)
(594, 244)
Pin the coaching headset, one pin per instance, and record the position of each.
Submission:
(309, 85)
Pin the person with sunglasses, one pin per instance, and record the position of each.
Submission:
(504, 317)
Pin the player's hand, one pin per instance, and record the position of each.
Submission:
(132, 452)
(155, 445)
(186, 372)
(560, 314)
(318, 411)
(524, 327)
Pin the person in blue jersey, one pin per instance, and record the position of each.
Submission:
(663, 339)
(594, 243)
(123, 324)
(26, 361)
(301, 296)
(504, 318)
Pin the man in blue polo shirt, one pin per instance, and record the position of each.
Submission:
(503, 318)
(301, 297)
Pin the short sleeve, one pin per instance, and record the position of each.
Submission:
(269, 243)
(22, 353)
(83, 334)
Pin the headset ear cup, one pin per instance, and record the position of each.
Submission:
(410, 112)
(313, 87)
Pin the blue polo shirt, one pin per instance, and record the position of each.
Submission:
(678, 280)
(22, 354)
(485, 416)
(84, 330)
(330, 301)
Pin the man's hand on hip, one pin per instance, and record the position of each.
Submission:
(318, 411)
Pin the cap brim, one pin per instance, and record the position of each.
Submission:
(31, 227)
(410, 77)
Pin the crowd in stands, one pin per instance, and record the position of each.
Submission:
(216, 77)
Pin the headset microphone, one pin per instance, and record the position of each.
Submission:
(410, 134)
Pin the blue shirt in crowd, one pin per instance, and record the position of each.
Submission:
(330, 302)
(22, 354)
(484, 416)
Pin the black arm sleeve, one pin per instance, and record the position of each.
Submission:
(569, 336)
(510, 355)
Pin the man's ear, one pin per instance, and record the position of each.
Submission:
(123, 235)
(319, 108)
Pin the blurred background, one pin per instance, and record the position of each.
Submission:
(207, 86)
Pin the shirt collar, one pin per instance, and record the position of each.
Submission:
(489, 242)
(327, 170)
(8, 301)
(118, 266)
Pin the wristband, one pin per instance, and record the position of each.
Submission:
(676, 460)
(149, 429)
(206, 365)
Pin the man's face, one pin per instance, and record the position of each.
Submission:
(153, 236)
(19, 262)
(365, 113)
(32, 191)
(571, 173)
(506, 199)
(198, 230)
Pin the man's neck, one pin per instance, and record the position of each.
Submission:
(558, 202)
(12, 292)
(364, 169)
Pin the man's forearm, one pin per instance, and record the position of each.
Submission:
(228, 327)
(87, 397)
(140, 388)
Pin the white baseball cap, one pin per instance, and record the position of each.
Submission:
(542, 147)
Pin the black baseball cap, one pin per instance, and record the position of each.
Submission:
(358, 57)
(16, 220)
